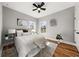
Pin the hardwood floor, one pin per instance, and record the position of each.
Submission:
(66, 50)
(62, 50)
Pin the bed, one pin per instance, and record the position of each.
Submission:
(29, 45)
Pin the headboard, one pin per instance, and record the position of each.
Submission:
(19, 32)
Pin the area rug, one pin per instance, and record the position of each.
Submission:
(48, 51)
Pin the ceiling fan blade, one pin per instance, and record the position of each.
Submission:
(34, 9)
(35, 5)
(42, 4)
(38, 11)
(43, 9)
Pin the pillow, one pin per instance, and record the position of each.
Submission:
(19, 32)
(40, 41)
(25, 34)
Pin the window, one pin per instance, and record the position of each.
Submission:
(43, 26)
(31, 25)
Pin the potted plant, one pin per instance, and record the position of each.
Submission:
(59, 37)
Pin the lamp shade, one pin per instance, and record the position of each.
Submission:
(10, 31)
(33, 31)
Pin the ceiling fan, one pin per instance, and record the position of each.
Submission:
(39, 6)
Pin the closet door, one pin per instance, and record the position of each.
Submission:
(76, 31)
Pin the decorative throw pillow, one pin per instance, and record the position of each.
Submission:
(19, 32)
(40, 41)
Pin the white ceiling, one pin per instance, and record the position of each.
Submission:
(26, 7)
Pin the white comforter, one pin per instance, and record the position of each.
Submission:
(24, 44)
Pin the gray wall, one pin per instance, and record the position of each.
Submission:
(64, 20)
(65, 24)
(10, 19)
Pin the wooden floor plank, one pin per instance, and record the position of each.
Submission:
(66, 50)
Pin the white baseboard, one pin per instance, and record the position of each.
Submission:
(77, 44)
(77, 47)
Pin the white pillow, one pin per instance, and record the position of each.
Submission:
(19, 32)
(25, 34)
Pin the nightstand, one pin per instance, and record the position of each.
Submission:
(9, 40)
(9, 49)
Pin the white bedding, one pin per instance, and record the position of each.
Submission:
(24, 44)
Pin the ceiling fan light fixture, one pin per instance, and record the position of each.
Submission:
(38, 8)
